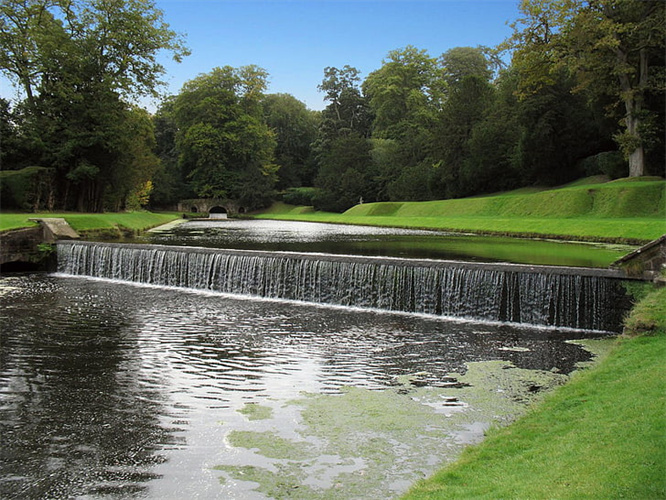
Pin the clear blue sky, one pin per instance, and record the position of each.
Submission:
(294, 40)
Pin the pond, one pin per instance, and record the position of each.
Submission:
(384, 241)
(111, 390)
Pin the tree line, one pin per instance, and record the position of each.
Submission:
(582, 94)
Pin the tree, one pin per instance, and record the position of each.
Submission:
(467, 105)
(344, 176)
(347, 110)
(120, 38)
(226, 148)
(461, 62)
(613, 47)
(170, 184)
(402, 92)
(295, 129)
(78, 63)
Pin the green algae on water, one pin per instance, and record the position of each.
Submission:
(363, 443)
(270, 445)
(255, 411)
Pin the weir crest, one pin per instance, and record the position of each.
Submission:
(546, 296)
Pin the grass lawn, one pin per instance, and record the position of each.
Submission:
(86, 222)
(626, 210)
(601, 436)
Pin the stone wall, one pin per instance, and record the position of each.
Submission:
(20, 245)
(648, 260)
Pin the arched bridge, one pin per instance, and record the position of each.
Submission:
(216, 207)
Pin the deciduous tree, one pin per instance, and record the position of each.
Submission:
(613, 47)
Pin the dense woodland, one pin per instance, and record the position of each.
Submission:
(577, 90)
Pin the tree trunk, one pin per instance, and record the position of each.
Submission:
(637, 163)
(637, 156)
(632, 105)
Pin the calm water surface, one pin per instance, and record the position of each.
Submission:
(110, 390)
(395, 242)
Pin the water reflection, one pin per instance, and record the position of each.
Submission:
(110, 390)
(383, 241)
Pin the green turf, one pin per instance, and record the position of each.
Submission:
(626, 210)
(86, 222)
(601, 436)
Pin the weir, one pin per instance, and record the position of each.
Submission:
(581, 298)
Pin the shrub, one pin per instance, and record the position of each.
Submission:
(300, 196)
(610, 163)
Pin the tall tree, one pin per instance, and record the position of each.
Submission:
(78, 62)
(226, 148)
(402, 92)
(461, 62)
(613, 47)
(121, 38)
(347, 111)
(295, 129)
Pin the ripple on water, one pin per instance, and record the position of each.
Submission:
(116, 390)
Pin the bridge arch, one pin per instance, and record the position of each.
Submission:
(217, 212)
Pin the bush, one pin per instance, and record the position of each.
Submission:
(610, 163)
(300, 196)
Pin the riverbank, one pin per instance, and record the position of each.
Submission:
(111, 223)
(600, 436)
(631, 211)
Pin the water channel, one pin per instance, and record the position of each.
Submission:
(113, 390)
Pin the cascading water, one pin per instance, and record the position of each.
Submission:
(549, 296)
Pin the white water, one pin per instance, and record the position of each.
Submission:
(518, 294)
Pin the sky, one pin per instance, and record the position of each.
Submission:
(294, 40)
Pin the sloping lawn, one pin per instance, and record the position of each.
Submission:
(601, 436)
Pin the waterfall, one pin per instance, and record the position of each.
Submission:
(538, 295)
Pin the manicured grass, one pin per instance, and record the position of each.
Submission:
(86, 222)
(601, 436)
(628, 210)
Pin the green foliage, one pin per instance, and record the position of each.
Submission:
(344, 175)
(295, 129)
(300, 196)
(226, 148)
(614, 48)
(609, 163)
(77, 63)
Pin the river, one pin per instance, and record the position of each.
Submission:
(117, 390)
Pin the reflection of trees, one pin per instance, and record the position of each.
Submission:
(74, 419)
(248, 343)
(81, 395)
(399, 345)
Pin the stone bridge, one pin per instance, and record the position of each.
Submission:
(217, 208)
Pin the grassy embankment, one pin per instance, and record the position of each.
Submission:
(625, 210)
(601, 436)
(111, 224)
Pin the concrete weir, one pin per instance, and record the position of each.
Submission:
(580, 298)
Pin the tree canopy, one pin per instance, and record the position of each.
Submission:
(583, 94)
(79, 63)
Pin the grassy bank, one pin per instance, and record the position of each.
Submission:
(626, 210)
(601, 436)
(132, 221)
